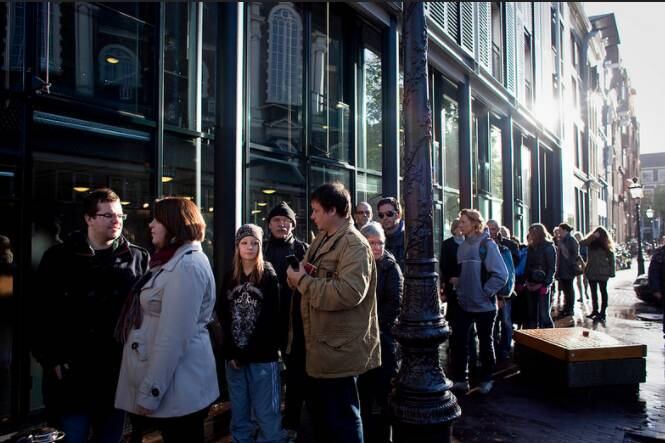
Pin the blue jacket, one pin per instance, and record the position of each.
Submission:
(472, 296)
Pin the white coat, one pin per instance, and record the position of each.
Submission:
(167, 364)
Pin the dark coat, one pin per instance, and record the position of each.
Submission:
(78, 297)
(395, 244)
(449, 267)
(275, 251)
(541, 258)
(567, 252)
(389, 290)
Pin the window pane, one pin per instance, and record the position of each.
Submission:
(330, 91)
(8, 301)
(179, 78)
(321, 174)
(209, 66)
(207, 193)
(451, 210)
(272, 181)
(369, 189)
(275, 58)
(179, 175)
(102, 53)
(437, 228)
(372, 117)
(496, 167)
(451, 140)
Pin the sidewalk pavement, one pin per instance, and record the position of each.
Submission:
(517, 412)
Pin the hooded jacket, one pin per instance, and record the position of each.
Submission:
(472, 295)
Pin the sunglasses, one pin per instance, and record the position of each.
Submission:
(387, 214)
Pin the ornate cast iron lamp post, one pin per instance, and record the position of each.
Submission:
(422, 405)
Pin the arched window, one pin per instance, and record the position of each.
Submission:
(284, 56)
(118, 70)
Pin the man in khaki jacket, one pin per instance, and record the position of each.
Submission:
(339, 315)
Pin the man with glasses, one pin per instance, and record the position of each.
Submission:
(81, 288)
(390, 215)
(363, 215)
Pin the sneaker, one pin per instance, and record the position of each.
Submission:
(460, 386)
(485, 387)
(601, 317)
(593, 315)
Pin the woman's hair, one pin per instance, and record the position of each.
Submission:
(181, 218)
(373, 229)
(259, 266)
(475, 218)
(538, 233)
(604, 241)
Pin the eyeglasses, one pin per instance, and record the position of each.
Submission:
(367, 213)
(110, 216)
(387, 214)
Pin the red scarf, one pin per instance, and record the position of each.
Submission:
(163, 255)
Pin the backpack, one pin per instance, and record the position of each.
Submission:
(507, 257)
(520, 269)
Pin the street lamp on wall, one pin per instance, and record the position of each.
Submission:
(636, 193)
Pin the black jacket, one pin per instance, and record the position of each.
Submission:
(449, 267)
(395, 244)
(249, 315)
(567, 252)
(275, 251)
(541, 263)
(79, 293)
(389, 289)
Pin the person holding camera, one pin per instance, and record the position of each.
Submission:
(539, 272)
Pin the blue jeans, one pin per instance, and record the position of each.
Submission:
(539, 308)
(503, 330)
(484, 322)
(254, 391)
(335, 409)
(107, 427)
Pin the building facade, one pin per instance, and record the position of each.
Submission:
(241, 105)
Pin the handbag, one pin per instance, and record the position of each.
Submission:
(580, 265)
(216, 334)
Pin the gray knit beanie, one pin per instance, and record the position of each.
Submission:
(249, 230)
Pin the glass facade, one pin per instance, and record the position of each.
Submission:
(132, 104)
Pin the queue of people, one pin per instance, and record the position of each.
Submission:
(120, 333)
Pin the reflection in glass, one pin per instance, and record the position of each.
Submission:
(273, 181)
(179, 74)
(209, 66)
(372, 116)
(8, 267)
(452, 209)
(99, 52)
(179, 167)
(369, 189)
(321, 174)
(496, 166)
(451, 140)
(331, 113)
(275, 54)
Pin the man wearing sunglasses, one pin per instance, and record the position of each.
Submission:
(81, 287)
(390, 215)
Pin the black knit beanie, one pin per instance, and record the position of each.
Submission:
(284, 210)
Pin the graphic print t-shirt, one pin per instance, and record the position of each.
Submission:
(250, 314)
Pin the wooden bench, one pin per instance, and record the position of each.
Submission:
(579, 357)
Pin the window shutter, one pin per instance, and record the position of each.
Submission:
(484, 10)
(519, 54)
(437, 12)
(452, 20)
(510, 47)
(467, 27)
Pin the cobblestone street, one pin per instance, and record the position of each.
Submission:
(518, 412)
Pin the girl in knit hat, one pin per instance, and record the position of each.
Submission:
(249, 313)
